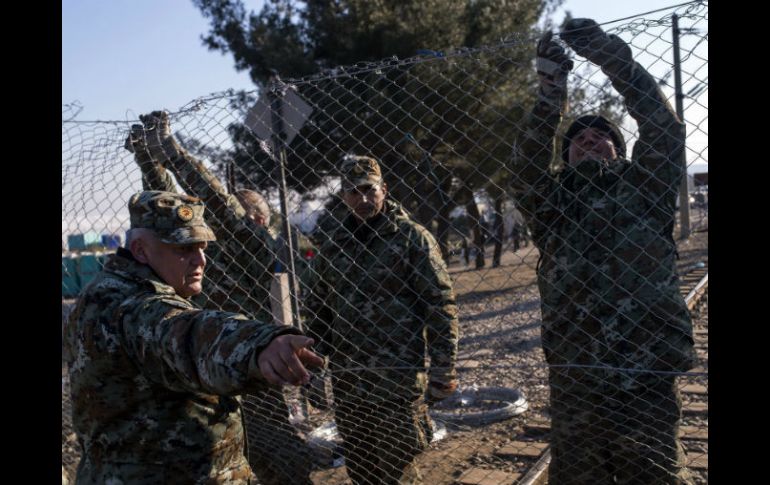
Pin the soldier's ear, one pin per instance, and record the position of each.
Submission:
(138, 248)
(384, 188)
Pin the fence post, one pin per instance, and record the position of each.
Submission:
(276, 93)
(230, 175)
(684, 195)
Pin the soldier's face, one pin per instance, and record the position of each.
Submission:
(591, 144)
(252, 210)
(366, 201)
(179, 265)
(258, 218)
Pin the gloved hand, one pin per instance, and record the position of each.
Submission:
(438, 391)
(553, 66)
(587, 39)
(135, 144)
(157, 138)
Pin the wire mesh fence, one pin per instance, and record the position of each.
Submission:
(441, 233)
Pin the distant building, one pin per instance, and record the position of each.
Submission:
(77, 270)
(81, 242)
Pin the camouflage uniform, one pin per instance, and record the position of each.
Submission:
(238, 280)
(609, 292)
(379, 296)
(152, 375)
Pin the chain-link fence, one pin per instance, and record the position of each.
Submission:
(539, 280)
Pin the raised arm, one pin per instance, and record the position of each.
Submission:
(531, 180)
(154, 176)
(660, 147)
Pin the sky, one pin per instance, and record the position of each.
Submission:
(121, 58)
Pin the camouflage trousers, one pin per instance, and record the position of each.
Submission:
(277, 455)
(381, 440)
(602, 434)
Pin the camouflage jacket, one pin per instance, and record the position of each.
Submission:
(609, 289)
(152, 379)
(242, 259)
(378, 304)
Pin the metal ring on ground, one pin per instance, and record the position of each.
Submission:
(512, 403)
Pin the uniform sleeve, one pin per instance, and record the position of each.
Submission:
(531, 180)
(433, 286)
(191, 350)
(155, 177)
(659, 151)
(201, 182)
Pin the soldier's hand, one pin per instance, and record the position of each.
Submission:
(285, 359)
(553, 66)
(135, 144)
(587, 39)
(157, 137)
(438, 391)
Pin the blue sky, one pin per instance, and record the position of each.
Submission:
(121, 58)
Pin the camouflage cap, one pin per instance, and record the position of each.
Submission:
(598, 122)
(358, 170)
(175, 218)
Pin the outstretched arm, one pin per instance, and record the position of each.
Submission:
(187, 349)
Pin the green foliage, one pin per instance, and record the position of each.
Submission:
(438, 125)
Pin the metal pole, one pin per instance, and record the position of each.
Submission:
(230, 173)
(277, 92)
(684, 194)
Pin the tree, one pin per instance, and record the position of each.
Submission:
(453, 115)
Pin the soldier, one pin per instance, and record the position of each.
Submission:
(238, 281)
(615, 328)
(243, 257)
(153, 376)
(379, 297)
